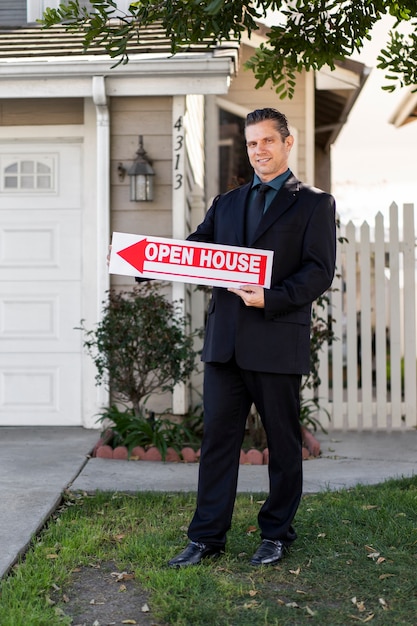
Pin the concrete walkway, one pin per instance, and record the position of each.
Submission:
(38, 464)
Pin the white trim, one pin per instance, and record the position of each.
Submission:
(232, 107)
(179, 200)
(102, 198)
(337, 78)
(310, 128)
(103, 179)
(93, 398)
(144, 75)
(144, 64)
(404, 109)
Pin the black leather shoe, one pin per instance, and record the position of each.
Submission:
(268, 553)
(193, 554)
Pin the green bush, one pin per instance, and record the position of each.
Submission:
(141, 345)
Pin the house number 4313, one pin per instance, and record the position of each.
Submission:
(178, 153)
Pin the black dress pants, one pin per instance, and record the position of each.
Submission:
(228, 394)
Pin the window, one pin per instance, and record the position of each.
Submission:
(234, 166)
(26, 174)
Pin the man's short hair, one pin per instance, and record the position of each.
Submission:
(260, 115)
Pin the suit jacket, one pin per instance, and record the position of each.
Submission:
(299, 226)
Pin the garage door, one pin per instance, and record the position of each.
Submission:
(40, 283)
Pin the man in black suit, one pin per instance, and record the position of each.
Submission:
(257, 341)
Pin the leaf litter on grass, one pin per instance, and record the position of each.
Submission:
(103, 596)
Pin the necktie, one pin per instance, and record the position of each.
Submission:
(255, 211)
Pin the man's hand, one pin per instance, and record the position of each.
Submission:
(252, 295)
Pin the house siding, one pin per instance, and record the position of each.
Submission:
(151, 118)
(41, 111)
(12, 13)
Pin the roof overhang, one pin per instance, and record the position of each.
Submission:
(335, 94)
(144, 75)
(406, 111)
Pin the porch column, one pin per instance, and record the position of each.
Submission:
(179, 202)
(102, 198)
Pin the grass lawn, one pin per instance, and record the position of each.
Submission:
(355, 561)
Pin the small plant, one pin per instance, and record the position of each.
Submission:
(140, 347)
(309, 409)
(132, 430)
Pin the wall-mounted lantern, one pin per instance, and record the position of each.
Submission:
(141, 176)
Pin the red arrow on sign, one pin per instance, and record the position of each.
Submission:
(135, 254)
(196, 262)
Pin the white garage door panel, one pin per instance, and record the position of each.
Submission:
(53, 187)
(46, 249)
(41, 234)
(40, 317)
(40, 390)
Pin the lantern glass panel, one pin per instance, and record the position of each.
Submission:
(141, 188)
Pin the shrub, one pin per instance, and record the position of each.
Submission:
(141, 345)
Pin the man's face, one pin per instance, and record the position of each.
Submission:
(268, 153)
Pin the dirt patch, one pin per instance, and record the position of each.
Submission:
(104, 596)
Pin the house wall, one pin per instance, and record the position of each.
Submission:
(154, 118)
(151, 118)
(12, 12)
(243, 92)
(41, 111)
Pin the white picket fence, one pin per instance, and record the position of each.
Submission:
(368, 374)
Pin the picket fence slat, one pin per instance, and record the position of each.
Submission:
(339, 417)
(410, 361)
(351, 326)
(366, 327)
(369, 372)
(380, 322)
(395, 319)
